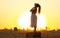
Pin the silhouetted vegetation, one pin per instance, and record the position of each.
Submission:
(7, 33)
(15, 29)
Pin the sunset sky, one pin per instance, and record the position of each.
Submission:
(10, 10)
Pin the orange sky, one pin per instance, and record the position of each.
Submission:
(11, 9)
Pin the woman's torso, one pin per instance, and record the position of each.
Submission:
(34, 10)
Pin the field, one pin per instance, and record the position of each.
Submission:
(19, 34)
(50, 34)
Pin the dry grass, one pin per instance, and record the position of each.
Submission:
(17, 34)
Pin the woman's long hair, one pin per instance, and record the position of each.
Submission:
(39, 7)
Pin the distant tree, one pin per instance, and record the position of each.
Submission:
(15, 29)
(5, 29)
(58, 29)
(46, 28)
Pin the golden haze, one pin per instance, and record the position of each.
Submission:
(10, 10)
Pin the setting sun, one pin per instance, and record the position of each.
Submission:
(25, 19)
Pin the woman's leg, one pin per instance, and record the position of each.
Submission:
(35, 29)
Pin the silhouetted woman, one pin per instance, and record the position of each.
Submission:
(33, 15)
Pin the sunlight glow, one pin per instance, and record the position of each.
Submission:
(24, 20)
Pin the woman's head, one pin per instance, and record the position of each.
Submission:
(38, 6)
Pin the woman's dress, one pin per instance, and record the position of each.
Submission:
(33, 20)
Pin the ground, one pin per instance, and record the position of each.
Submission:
(20, 34)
